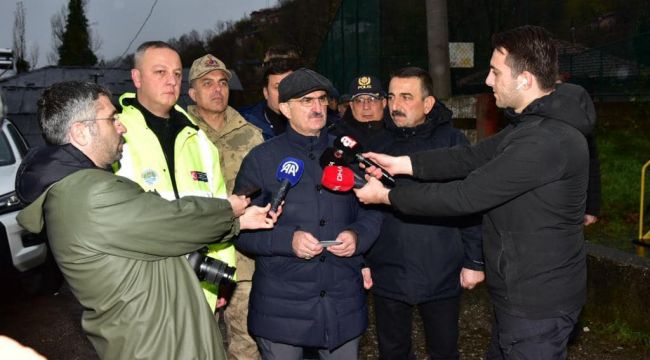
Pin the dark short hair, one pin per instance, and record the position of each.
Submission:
(281, 51)
(530, 48)
(279, 67)
(414, 71)
(65, 103)
(157, 44)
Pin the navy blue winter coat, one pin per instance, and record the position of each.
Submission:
(254, 114)
(318, 302)
(417, 259)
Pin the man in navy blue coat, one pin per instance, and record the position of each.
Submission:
(304, 294)
(420, 261)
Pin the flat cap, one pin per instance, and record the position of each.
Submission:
(302, 82)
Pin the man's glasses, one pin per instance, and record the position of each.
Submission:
(308, 101)
(113, 118)
(366, 100)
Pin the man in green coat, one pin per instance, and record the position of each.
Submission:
(120, 248)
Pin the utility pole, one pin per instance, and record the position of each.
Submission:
(438, 47)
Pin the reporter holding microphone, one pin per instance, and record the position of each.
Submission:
(530, 182)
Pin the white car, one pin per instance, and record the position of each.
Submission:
(21, 253)
(26, 251)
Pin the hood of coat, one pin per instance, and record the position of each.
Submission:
(438, 116)
(46, 165)
(568, 103)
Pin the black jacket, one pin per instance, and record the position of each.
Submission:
(318, 302)
(418, 259)
(531, 178)
(363, 132)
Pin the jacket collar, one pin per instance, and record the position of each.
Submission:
(233, 121)
(438, 116)
(47, 165)
(307, 142)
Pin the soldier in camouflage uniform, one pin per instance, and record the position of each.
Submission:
(234, 137)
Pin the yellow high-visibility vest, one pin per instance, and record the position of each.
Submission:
(196, 169)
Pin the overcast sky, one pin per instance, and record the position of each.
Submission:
(117, 21)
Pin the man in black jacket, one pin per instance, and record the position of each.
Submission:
(418, 260)
(531, 180)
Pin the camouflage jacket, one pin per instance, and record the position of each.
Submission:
(234, 140)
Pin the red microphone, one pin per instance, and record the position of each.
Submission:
(340, 178)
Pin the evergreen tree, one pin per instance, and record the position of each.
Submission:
(76, 48)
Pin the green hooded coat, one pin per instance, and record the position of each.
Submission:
(121, 251)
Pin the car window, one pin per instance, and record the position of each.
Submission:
(6, 155)
(18, 139)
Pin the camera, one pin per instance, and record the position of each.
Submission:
(211, 270)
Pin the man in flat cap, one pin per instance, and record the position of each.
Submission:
(234, 137)
(305, 294)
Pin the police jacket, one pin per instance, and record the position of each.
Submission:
(318, 302)
(531, 180)
(418, 259)
(197, 170)
(123, 261)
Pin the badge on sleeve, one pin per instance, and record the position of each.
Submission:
(199, 176)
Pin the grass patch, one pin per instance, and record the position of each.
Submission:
(622, 152)
(620, 331)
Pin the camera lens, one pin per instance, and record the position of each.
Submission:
(217, 272)
(211, 270)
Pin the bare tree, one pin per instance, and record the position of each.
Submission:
(19, 38)
(58, 28)
(33, 55)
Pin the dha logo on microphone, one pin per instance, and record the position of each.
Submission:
(339, 173)
(348, 142)
(290, 169)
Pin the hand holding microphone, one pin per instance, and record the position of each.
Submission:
(396, 165)
(350, 148)
(288, 174)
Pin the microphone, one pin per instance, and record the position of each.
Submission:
(331, 157)
(288, 174)
(340, 178)
(350, 148)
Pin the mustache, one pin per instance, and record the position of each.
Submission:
(315, 114)
(397, 113)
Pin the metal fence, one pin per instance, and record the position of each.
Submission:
(377, 36)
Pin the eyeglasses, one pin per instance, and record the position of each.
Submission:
(113, 118)
(308, 101)
(366, 100)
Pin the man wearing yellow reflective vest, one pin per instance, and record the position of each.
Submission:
(165, 151)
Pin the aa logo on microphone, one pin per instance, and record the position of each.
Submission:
(348, 142)
(290, 167)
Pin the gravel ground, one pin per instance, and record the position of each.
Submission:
(51, 325)
(475, 327)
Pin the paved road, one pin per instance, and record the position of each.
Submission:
(50, 324)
